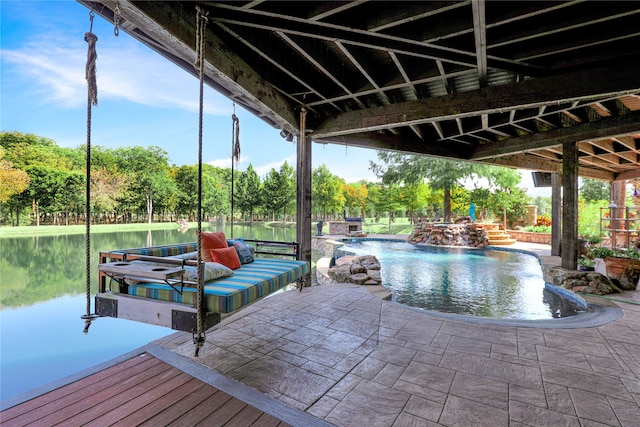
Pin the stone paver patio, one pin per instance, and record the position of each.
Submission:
(353, 359)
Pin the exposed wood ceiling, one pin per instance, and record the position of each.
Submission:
(499, 82)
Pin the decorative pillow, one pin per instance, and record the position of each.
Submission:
(212, 271)
(212, 240)
(226, 256)
(244, 250)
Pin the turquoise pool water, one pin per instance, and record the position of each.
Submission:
(489, 283)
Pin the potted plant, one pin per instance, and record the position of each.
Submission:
(622, 265)
(586, 264)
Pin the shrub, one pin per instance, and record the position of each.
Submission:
(543, 220)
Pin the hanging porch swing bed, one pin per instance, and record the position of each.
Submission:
(158, 284)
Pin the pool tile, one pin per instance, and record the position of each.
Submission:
(558, 399)
(408, 420)
(491, 368)
(627, 412)
(484, 390)
(389, 374)
(593, 406)
(463, 412)
(363, 406)
(535, 416)
(532, 396)
(439, 379)
(563, 357)
(471, 346)
(576, 378)
(393, 354)
(423, 408)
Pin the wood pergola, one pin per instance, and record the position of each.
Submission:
(548, 86)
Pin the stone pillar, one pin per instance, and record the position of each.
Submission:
(531, 215)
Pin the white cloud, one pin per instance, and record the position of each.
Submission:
(55, 71)
(264, 169)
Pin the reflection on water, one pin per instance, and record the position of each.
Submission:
(488, 283)
(42, 292)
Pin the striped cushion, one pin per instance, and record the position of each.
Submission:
(167, 250)
(248, 283)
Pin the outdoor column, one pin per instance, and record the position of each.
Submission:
(556, 214)
(303, 195)
(570, 205)
(617, 196)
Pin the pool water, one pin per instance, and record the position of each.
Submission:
(489, 283)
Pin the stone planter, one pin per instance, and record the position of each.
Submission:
(623, 272)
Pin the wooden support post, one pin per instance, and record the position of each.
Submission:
(617, 196)
(303, 195)
(556, 214)
(570, 205)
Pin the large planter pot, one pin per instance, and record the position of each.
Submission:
(623, 272)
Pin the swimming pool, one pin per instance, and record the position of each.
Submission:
(489, 283)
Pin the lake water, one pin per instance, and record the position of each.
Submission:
(43, 295)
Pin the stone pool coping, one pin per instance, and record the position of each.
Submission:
(598, 312)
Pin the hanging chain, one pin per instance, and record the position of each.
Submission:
(117, 16)
(201, 24)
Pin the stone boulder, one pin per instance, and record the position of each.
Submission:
(584, 282)
(362, 270)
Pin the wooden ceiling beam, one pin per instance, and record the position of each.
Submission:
(171, 27)
(580, 133)
(524, 161)
(583, 84)
(251, 18)
(480, 36)
(385, 142)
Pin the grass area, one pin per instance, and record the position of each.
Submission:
(399, 226)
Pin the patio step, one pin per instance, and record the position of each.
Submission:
(499, 237)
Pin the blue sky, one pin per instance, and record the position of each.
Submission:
(143, 98)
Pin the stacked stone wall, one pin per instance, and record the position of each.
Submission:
(428, 233)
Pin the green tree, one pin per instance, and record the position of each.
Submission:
(355, 196)
(410, 170)
(248, 195)
(279, 190)
(12, 180)
(149, 175)
(594, 190)
(326, 192)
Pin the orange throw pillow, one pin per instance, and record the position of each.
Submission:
(212, 240)
(226, 256)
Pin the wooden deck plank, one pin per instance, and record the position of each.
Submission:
(144, 391)
(51, 411)
(175, 411)
(55, 396)
(267, 420)
(246, 417)
(203, 410)
(117, 395)
(158, 405)
(147, 396)
(225, 413)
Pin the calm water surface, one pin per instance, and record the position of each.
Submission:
(488, 283)
(43, 295)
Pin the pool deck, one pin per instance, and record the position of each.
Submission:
(349, 358)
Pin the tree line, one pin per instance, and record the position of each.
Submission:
(43, 183)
